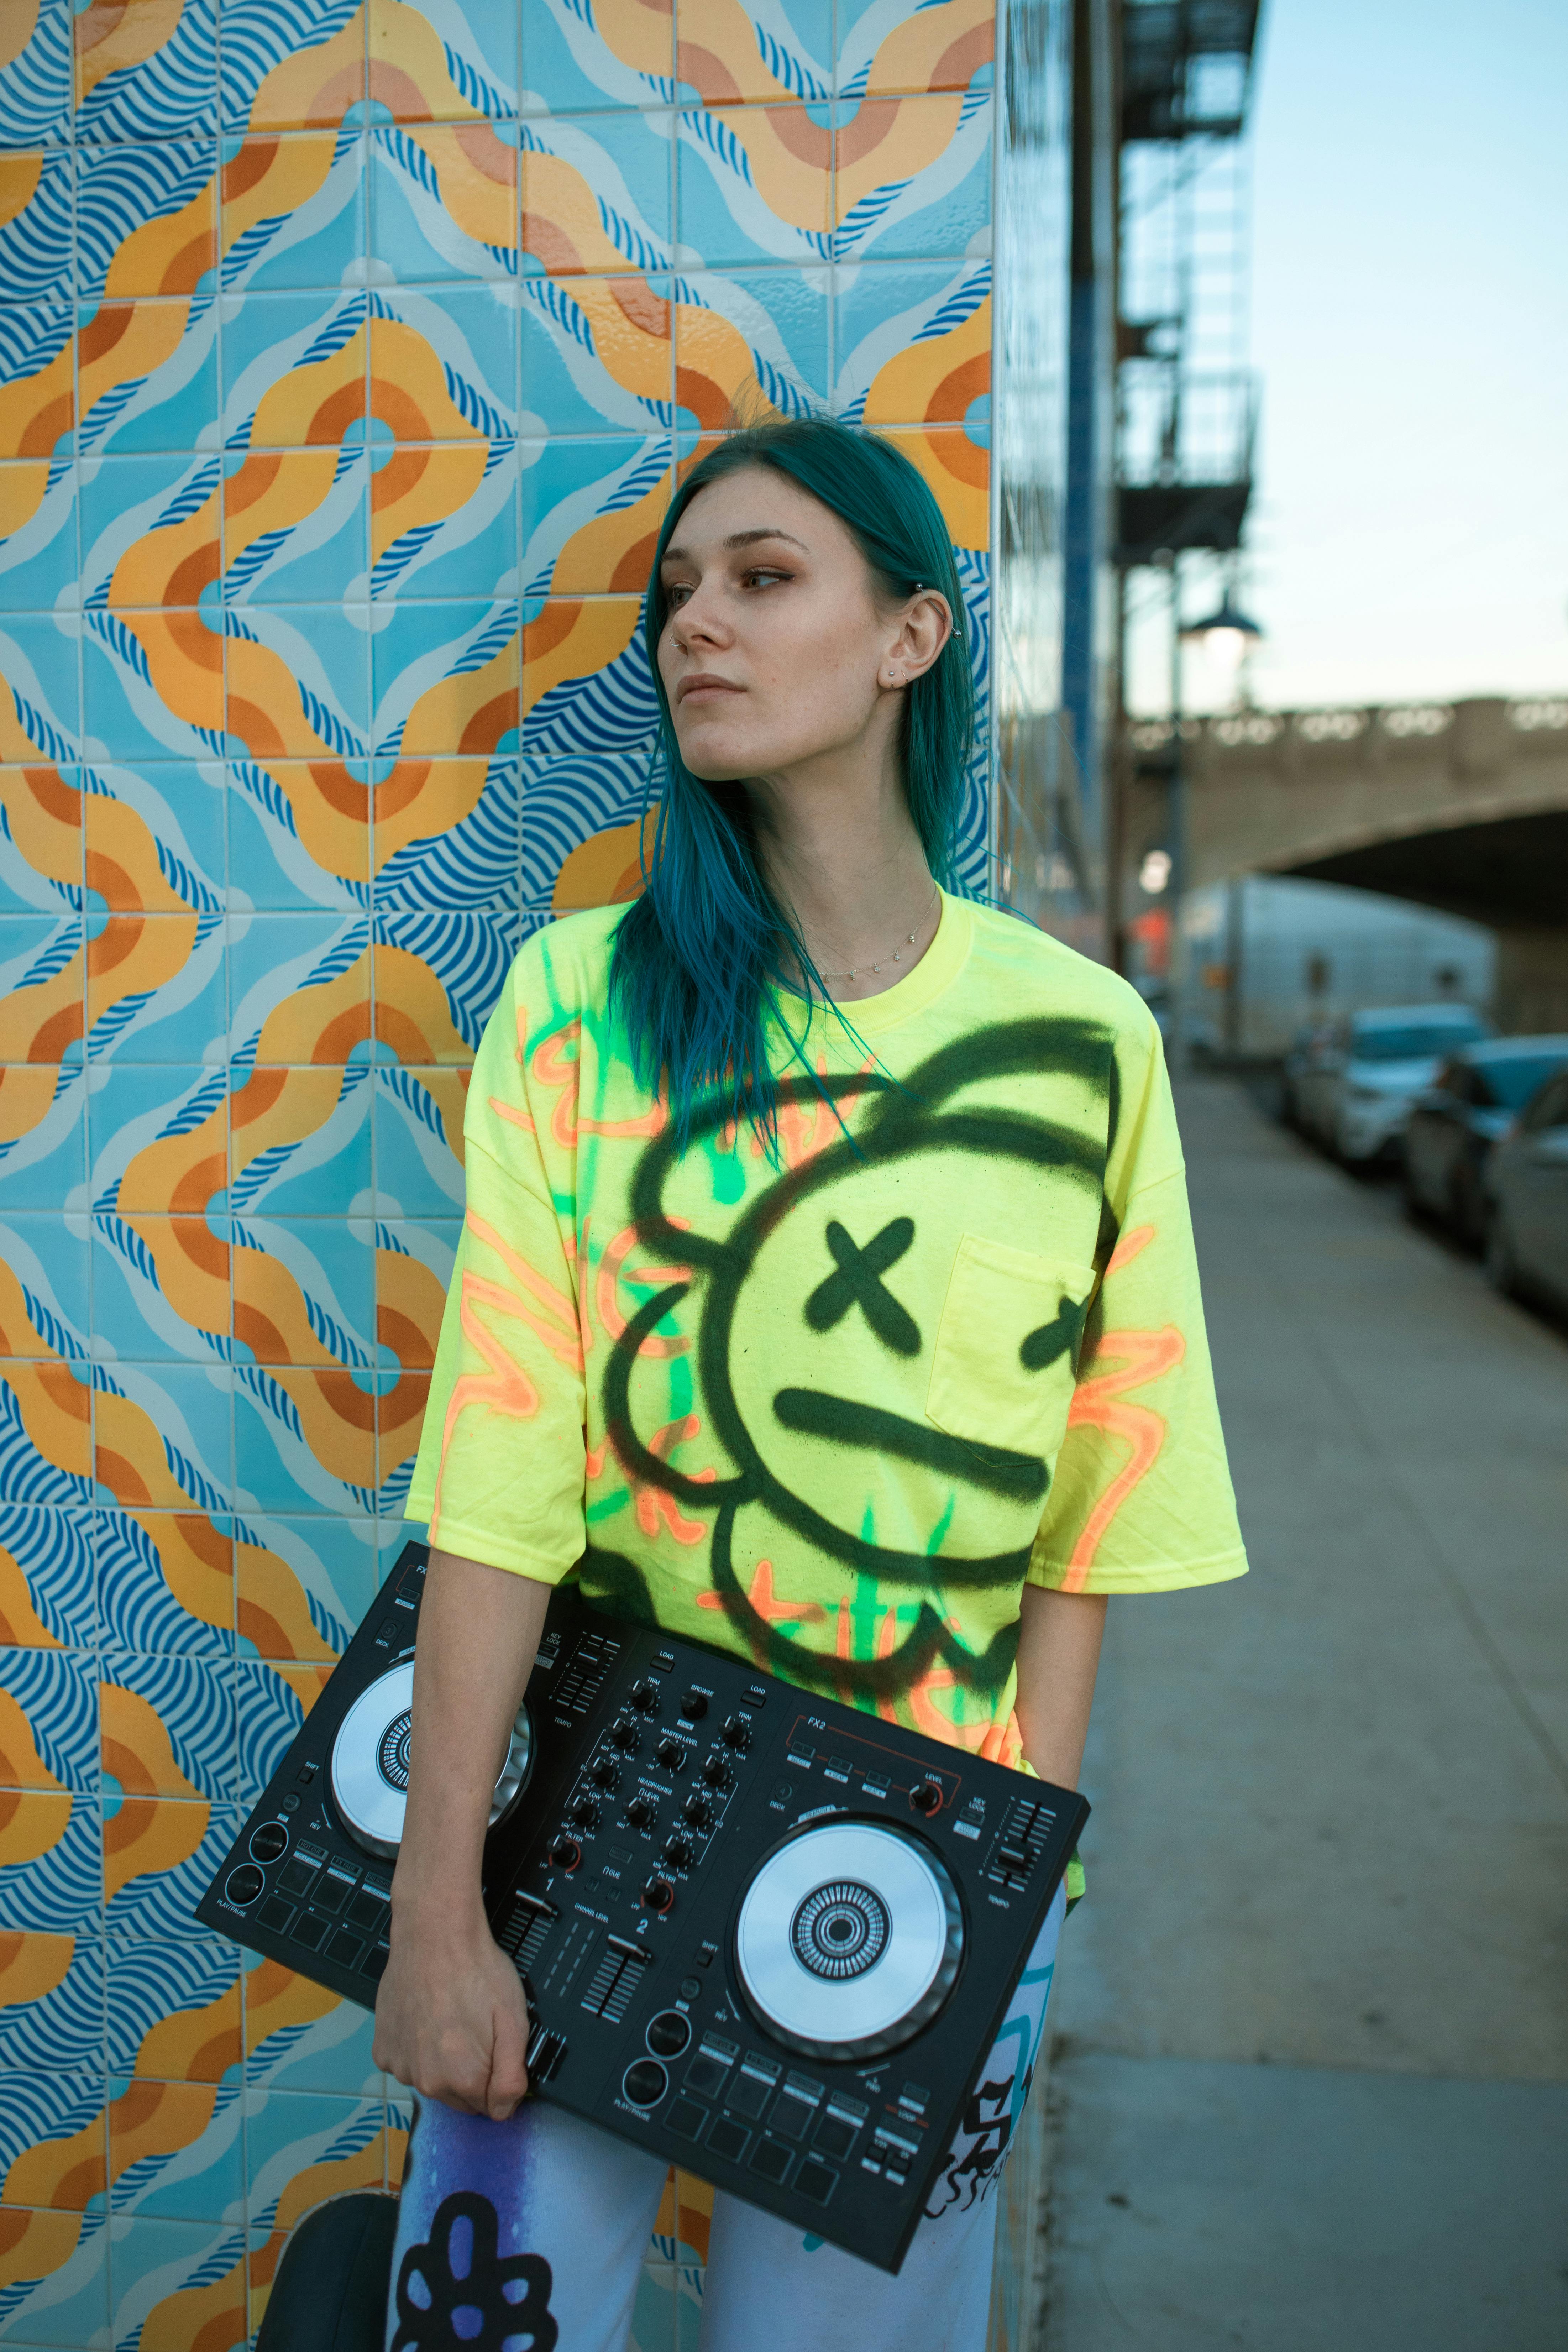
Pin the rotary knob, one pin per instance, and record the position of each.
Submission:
(926, 1796)
(640, 1812)
(678, 1850)
(671, 1753)
(565, 1853)
(698, 1812)
(623, 1732)
(658, 1895)
(644, 1697)
(584, 1813)
(737, 1732)
(604, 1775)
(717, 1773)
(694, 1706)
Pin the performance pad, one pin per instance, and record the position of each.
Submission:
(762, 1936)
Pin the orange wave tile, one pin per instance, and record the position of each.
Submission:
(409, 1303)
(560, 223)
(273, 490)
(122, 340)
(112, 34)
(135, 954)
(45, 818)
(959, 472)
(193, 2046)
(21, 1766)
(321, 1024)
(314, 86)
(20, 1625)
(640, 32)
(936, 49)
(170, 256)
(936, 380)
(415, 487)
(422, 799)
(130, 1460)
(314, 403)
(477, 177)
(18, 1335)
(630, 325)
(268, 179)
(36, 409)
(184, 658)
(42, 1023)
(179, 1173)
(338, 1418)
(605, 870)
(156, 2119)
(18, 25)
(716, 51)
(137, 1750)
(193, 1268)
(890, 139)
(408, 65)
(400, 1417)
(20, 177)
(21, 491)
(55, 1411)
(66, 2174)
(170, 565)
(790, 156)
(715, 376)
(195, 1558)
(693, 2213)
(274, 1612)
(31, 1823)
(412, 1015)
(27, 1091)
(613, 552)
(32, 1965)
(471, 714)
(281, 1106)
(573, 639)
(209, 2318)
(122, 859)
(269, 1312)
(34, 2245)
(150, 1834)
(277, 2000)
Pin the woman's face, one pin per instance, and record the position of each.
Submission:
(774, 649)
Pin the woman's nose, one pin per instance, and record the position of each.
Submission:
(699, 619)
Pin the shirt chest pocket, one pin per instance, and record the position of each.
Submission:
(1001, 1372)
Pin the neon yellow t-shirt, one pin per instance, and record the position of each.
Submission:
(832, 1412)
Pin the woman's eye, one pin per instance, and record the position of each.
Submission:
(676, 595)
(764, 579)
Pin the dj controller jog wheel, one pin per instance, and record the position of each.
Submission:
(850, 1940)
(370, 1763)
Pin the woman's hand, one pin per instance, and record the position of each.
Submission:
(451, 2019)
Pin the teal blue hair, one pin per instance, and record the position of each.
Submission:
(700, 961)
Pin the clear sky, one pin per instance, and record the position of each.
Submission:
(1409, 529)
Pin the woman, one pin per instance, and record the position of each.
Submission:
(827, 1293)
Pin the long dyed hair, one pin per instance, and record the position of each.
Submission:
(699, 962)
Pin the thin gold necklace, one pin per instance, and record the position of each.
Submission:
(894, 955)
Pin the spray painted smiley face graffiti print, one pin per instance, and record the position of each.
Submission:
(887, 1372)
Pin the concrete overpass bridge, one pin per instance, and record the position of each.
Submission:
(1461, 806)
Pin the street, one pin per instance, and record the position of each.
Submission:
(1310, 2082)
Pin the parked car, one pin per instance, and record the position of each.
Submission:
(1357, 1097)
(1454, 1124)
(1527, 1230)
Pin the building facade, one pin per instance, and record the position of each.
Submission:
(347, 353)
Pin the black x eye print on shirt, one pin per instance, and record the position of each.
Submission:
(858, 1282)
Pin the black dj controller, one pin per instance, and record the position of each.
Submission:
(762, 1935)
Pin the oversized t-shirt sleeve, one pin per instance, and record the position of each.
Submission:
(501, 1471)
(1141, 1498)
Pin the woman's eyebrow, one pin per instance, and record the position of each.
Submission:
(737, 538)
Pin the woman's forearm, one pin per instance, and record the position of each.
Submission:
(1058, 1656)
(479, 1631)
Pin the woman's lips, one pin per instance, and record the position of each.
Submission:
(703, 689)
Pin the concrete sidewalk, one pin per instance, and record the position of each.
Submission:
(1311, 2079)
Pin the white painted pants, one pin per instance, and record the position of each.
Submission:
(528, 2236)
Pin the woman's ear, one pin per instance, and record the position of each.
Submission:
(926, 628)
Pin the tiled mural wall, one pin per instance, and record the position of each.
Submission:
(347, 354)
